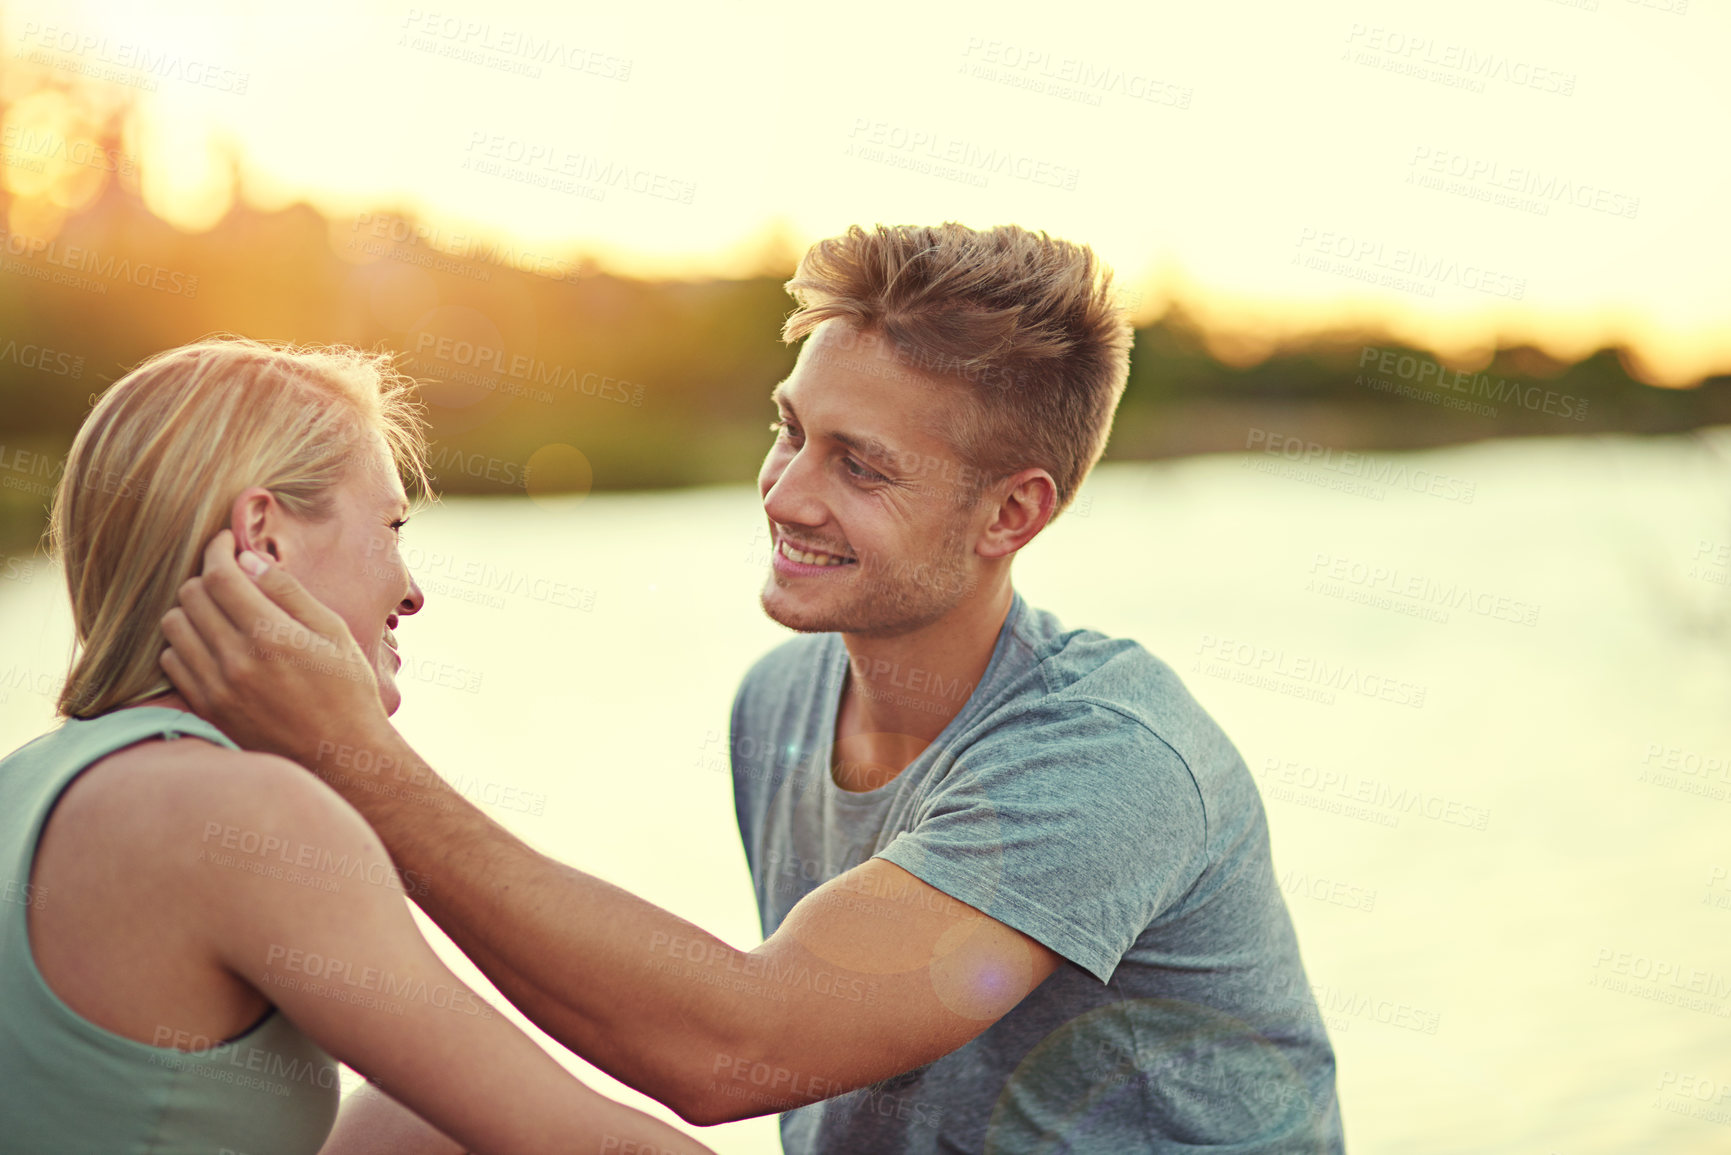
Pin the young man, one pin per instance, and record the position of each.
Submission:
(1015, 884)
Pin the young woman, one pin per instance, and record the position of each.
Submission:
(194, 935)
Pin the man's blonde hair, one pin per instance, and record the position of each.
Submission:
(157, 464)
(1027, 323)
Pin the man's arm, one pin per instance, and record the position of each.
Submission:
(872, 974)
(370, 1122)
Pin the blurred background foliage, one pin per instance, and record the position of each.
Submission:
(657, 384)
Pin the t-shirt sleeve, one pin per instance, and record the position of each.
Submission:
(1071, 822)
(744, 805)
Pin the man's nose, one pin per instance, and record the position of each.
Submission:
(792, 494)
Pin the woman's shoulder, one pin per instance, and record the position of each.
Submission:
(167, 794)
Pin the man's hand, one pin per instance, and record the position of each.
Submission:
(267, 663)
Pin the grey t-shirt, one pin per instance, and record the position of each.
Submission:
(1082, 797)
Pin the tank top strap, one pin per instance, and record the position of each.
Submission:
(120, 728)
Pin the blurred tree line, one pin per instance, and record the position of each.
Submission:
(655, 383)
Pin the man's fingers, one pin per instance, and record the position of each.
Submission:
(267, 602)
(286, 591)
(224, 636)
(234, 593)
(194, 670)
(182, 680)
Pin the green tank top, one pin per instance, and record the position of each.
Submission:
(67, 1086)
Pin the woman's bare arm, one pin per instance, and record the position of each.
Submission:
(373, 1123)
(350, 968)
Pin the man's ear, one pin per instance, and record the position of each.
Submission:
(1026, 501)
(256, 519)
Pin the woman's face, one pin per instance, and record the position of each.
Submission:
(349, 562)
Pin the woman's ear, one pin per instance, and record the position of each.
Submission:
(256, 520)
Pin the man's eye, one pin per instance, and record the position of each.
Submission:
(782, 428)
(860, 471)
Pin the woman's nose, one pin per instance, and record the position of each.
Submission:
(413, 603)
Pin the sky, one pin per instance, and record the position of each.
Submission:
(1455, 174)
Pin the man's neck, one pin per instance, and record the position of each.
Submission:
(902, 691)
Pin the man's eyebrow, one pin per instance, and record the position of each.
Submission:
(861, 443)
(866, 446)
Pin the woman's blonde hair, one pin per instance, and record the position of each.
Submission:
(158, 463)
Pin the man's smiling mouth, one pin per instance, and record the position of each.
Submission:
(811, 557)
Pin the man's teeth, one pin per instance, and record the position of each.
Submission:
(805, 558)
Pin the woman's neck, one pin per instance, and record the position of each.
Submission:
(168, 700)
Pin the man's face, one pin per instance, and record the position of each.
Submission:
(871, 513)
